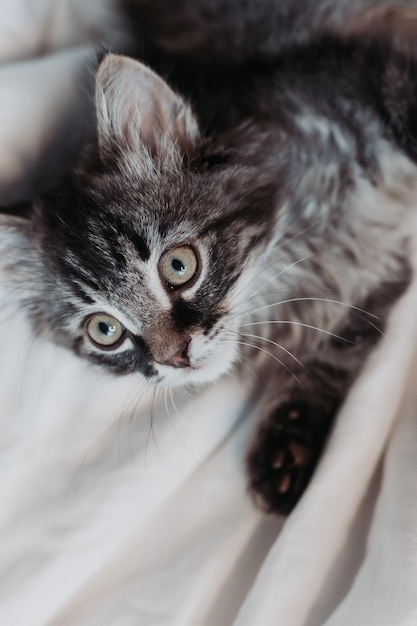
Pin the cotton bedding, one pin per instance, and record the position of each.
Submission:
(122, 507)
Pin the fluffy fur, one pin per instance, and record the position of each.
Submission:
(291, 178)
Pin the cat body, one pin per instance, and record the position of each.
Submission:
(238, 31)
(251, 215)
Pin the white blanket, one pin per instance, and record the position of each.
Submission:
(122, 507)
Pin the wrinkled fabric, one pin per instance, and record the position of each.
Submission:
(124, 506)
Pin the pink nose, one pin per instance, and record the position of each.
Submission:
(180, 358)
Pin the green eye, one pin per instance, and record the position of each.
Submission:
(179, 265)
(105, 330)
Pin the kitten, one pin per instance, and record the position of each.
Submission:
(254, 212)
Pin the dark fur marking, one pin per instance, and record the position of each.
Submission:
(80, 293)
(186, 315)
(143, 351)
(114, 248)
(124, 230)
(137, 360)
(79, 276)
(258, 210)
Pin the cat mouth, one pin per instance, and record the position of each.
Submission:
(197, 373)
(180, 369)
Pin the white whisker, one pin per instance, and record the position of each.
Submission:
(151, 430)
(269, 280)
(278, 274)
(141, 388)
(310, 299)
(294, 323)
(278, 259)
(274, 343)
(275, 358)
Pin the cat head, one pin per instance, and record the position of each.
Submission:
(143, 258)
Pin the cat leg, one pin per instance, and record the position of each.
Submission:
(287, 446)
(299, 410)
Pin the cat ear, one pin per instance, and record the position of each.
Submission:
(138, 112)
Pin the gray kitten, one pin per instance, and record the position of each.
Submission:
(246, 211)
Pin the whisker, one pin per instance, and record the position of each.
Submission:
(141, 387)
(168, 394)
(151, 430)
(90, 450)
(276, 260)
(278, 274)
(171, 395)
(174, 429)
(187, 390)
(41, 333)
(20, 311)
(267, 352)
(310, 299)
(374, 326)
(143, 384)
(274, 343)
(164, 393)
(262, 270)
(250, 365)
(270, 279)
(294, 323)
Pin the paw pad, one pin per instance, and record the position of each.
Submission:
(282, 460)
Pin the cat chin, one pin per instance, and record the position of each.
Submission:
(206, 373)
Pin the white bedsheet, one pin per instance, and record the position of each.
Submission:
(104, 521)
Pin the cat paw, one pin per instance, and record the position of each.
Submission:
(282, 460)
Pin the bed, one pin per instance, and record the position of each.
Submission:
(107, 519)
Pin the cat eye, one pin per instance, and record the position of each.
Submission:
(104, 330)
(178, 266)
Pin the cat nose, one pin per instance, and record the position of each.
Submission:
(181, 357)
